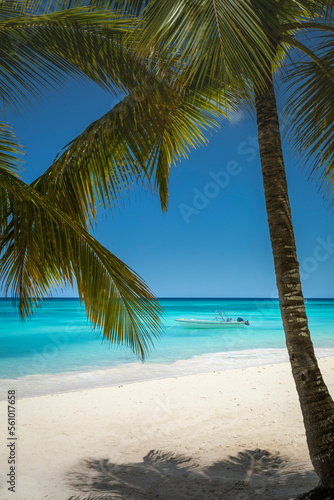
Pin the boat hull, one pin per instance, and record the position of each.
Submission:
(197, 323)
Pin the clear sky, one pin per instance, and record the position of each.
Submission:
(214, 239)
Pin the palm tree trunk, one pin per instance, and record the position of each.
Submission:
(316, 403)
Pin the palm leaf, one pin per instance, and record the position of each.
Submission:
(310, 85)
(225, 41)
(42, 248)
(135, 142)
(39, 52)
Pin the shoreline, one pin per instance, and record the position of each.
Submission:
(129, 373)
(233, 434)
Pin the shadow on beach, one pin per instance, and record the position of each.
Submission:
(252, 474)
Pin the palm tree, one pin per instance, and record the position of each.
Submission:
(191, 60)
(232, 54)
(284, 27)
(42, 244)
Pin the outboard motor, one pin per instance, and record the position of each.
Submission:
(247, 323)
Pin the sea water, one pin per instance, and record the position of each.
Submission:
(57, 349)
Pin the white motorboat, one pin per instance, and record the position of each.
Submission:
(218, 322)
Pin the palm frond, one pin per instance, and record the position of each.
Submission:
(39, 52)
(310, 85)
(135, 142)
(225, 41)
(41, 247)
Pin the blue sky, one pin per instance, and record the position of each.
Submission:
(214, 239)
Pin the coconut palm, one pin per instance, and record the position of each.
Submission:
(199, 58)
(233, 54)
(300, 46)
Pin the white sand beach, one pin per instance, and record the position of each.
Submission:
(234, 435)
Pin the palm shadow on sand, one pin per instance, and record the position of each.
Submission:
(252, 474)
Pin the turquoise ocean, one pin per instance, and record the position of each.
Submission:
(57, 349)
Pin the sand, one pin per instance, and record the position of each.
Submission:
(234, 435)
